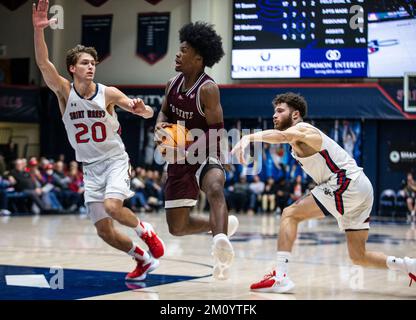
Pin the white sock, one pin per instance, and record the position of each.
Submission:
(396, 264)
(141, 227)
(138, 253)
(282, 266)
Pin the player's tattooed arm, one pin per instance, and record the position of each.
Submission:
(114, 96)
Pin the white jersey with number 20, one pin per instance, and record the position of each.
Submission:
(92, 131)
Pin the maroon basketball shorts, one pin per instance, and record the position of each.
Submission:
(183, 182)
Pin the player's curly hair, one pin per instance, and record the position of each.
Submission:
(206, 42)
(293, 100)
(73, 54)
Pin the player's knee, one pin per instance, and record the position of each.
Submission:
(112, 209)
(215, 191)
(289, 213)
(106, 234)
(177, 230)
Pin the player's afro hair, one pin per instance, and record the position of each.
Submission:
(203, 38)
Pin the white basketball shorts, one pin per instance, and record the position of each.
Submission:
(351, 205)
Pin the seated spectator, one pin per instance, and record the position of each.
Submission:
(256, 188)
(26, 184)
(153, 189)
(268, 197)
(48, 196)
(239, 195)
(76, 188)
(283, 194)
(410, 193)
(297, 190)
(138, 186)
(61, 182)
(49, 185)
(5, 183)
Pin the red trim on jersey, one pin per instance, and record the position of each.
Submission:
(342, 181)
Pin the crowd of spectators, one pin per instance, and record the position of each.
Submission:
(41, 186)
(279, 181)
(53, 186)
(48, 186)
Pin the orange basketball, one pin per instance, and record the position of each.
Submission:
(175, 135)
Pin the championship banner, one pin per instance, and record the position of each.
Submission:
(96, 32)
(19, 104)
(96, 3)
(152, 36)
(154, 2)
(402, 157)
(12, 4)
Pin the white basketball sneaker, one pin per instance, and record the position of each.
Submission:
(273, 283)
(232, 225)
(223, 253)
(410, 268)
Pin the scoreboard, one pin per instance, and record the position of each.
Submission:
(315, 38)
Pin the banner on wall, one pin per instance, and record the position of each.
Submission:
(19, 104)
(12, 4)
(96, 3)
(402, 157)
(152, 36)
(96, 32)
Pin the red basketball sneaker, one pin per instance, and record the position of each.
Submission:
(273, 283)
(155, 244)
(411, 268)
(142, 270)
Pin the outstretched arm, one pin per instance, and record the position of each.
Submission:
(292, 135)
(114, 96)
(40, 21)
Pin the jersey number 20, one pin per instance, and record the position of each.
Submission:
(97, 126)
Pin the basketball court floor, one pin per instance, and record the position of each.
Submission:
(61, 257)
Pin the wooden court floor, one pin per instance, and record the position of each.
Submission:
(61, 257)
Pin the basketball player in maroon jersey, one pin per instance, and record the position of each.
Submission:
(193, 98)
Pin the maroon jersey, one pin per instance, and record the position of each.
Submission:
(182, 185)
(185, 105)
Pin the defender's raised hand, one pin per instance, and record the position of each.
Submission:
(40, 15)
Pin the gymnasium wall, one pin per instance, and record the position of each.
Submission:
(123, 66)
(17, 34)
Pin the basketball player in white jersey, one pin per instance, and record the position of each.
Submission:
(343, 190)
(88, 113)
